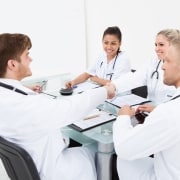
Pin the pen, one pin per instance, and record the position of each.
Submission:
(109, 74)
(49, 95)
(91, 117)
(75, 86)
(80, 92)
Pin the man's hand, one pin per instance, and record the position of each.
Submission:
(35, 88)
(145, 108)
(127, 110)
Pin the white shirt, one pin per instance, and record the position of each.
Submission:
(158, 92)
(34, 122)
(114, 68)
(159, 135)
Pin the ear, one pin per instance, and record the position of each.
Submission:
(11, 64)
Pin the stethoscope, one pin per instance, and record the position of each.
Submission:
(111, 74)
(12, 88)
(156, 71)
(7, 86)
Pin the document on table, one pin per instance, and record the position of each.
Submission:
(95, 118)
(130, 99)
(85, 86)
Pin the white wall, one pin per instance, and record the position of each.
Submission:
(67, 38)
(57, 31)
(138, 20)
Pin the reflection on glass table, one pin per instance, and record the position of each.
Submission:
(102, 136)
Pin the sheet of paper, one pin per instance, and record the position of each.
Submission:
(93, 119)
(130, 99)
(85, 86)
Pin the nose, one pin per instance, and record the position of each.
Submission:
(156, 48)
(30, 59)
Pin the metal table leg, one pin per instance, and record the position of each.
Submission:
(104, 161)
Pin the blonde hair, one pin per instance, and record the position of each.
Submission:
(172, 35)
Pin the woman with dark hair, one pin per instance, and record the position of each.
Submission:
(110, 65)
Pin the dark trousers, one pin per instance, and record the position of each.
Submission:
(114, 168)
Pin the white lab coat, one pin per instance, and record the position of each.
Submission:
(159, 135)
(158, 92)
(102, 69)
(34, 122)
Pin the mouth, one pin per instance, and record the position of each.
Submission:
(109, 51)
(160, 54)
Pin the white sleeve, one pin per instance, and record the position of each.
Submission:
(56, 113)
(131, 80)
(156, 134)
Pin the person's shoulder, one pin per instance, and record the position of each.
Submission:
(123, 55)
(153, 61)
(101, 56)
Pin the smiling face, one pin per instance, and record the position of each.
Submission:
(161, 46)
(171, 66)
(111, 45)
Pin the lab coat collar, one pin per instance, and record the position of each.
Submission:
(17, 84)
(177, 92)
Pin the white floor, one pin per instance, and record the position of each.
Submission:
(3, 175)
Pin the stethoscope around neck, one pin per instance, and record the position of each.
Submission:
(156, 71)
(111, 74)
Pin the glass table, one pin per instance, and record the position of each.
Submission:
(100, 136)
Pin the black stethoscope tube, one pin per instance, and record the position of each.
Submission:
(156, 71)
(113, 65)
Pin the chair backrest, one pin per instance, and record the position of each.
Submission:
(140, 91)
(17, 162)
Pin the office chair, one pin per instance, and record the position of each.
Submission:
(17, 162)
(140, 91)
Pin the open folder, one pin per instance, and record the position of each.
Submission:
(95, 118)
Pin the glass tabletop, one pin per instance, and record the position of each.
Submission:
(102, 133)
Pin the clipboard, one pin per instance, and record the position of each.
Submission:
(130, 99)
(95, 118)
